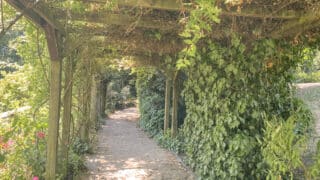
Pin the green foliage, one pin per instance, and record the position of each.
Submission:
(75, 163)
(315, 168)
(150, 86)
(311, 77)
(121, 89)
(25, 87)
(284, 147)
(173, 144)
(229, 95)
(308, 71)
(14, 90)
(80, 147)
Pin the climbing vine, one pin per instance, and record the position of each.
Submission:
(233, 90)
(230, 94)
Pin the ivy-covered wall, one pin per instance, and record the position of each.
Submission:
(231, 93)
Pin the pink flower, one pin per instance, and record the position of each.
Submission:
(41, 135)
(5, 146)
(10, 143)
(35, 178)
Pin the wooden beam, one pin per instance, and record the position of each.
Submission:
(155, 4)
(138, 44)
(178, 5)
(43, 10)
(136, 60)
(292, 28)
(38, 12)
(28, 13)
(119, 19)
(54, 101)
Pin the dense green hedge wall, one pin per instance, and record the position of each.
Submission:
(230, 94)
(150, 86)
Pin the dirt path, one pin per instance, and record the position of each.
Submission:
(125, 152)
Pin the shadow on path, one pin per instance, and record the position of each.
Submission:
(125, 152)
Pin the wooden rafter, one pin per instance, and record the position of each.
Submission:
(156, 4)
(119, 19)
(141, 44)
(44, 12)
(27, 12)
(138, 60)
(291, 28)
(177, 5)
(37, 12)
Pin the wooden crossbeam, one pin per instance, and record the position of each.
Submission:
(42, 9)
(294, 27)
(37, 12)
(155, 4)
(137, 60)
(178, 5)
(119, 19)
(140, 44)
(27, 12)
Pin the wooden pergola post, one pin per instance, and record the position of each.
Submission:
(54, 100)
(167, 104)
(66, 119)
(103, 97)
(94, 102)
(175, 98)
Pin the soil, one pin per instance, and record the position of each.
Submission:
(124, 151)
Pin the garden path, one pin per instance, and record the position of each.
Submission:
(124, 151)
(310, 94)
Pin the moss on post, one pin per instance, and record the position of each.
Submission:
(167, 104)
(54, 101)
(66, 119)
(94, 103)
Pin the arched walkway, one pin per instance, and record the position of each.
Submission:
(124, 151)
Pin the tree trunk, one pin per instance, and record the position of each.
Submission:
(54, 102)
(175, 98)
(66, 119)
(167, 104)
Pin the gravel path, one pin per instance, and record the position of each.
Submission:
(310, 94)
(125, 152)
(307, 85)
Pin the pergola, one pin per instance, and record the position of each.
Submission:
(148, 30)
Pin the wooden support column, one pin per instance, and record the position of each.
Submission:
(66, 119)
(175, 98)
(54, 101)
(85, 109)
(94, 103)
(85, 94)
(103, 98)
(99, 100)
(167, 104)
